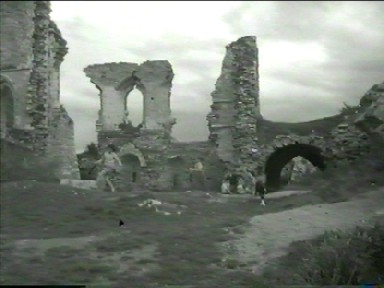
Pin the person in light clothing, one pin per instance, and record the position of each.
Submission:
(198, 171)
(225, 187)
(110, 162)
(249, 182)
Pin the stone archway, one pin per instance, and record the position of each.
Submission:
(6, 106)
(132, 150)
(283, 155)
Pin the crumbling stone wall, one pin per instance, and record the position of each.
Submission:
(107, 77)
(61, 146)
(154, 79)
(246, 78)
(32, 50)
(235, 109)
(345, 143)
(372, 119)
(214, 168)
(234, 141)
(116, 80)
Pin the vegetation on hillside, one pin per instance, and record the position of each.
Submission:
(321, 127)
(353, 257)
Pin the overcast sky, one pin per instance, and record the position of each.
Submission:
(313, 56)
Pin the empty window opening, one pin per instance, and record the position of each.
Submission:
(135, 107)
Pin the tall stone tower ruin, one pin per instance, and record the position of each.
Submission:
(235, 110)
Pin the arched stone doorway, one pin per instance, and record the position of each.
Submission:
(6, 106)
(282, 156)
(177, 173)
(132, 150)
(130, 173)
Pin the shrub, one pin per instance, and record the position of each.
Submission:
(342, 258)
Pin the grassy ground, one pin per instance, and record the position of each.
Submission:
(150, 249)
(52, 234)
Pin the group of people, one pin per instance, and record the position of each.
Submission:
(245, 182)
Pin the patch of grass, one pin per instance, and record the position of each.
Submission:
(63, 252)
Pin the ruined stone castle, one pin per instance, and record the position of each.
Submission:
(34, 121)
(239, 136)
(34, 125)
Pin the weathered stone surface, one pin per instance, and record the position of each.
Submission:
(155, 82)
(235, 109)
(61, 146)
(234, 141)
(372, 120)
(32, 50)
(301, 167)
(116, 80)
(110, 74)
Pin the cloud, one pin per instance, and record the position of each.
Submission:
(313, 56)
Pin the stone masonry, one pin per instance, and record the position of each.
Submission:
(233, 119)
(36, 127)
(234, 141)
(32, 50)
(154, 79)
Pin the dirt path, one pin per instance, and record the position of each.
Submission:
(269, 235)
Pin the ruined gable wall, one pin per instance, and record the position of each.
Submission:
(108, 78)
(116, 80)
(154, 80)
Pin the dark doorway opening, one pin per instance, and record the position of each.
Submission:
(177, 173)
(6, 107)
(130, 172)
(281, 156)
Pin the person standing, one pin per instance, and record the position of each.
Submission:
(249, 182)
(260, 187)
(198, 169)
(110, 162)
